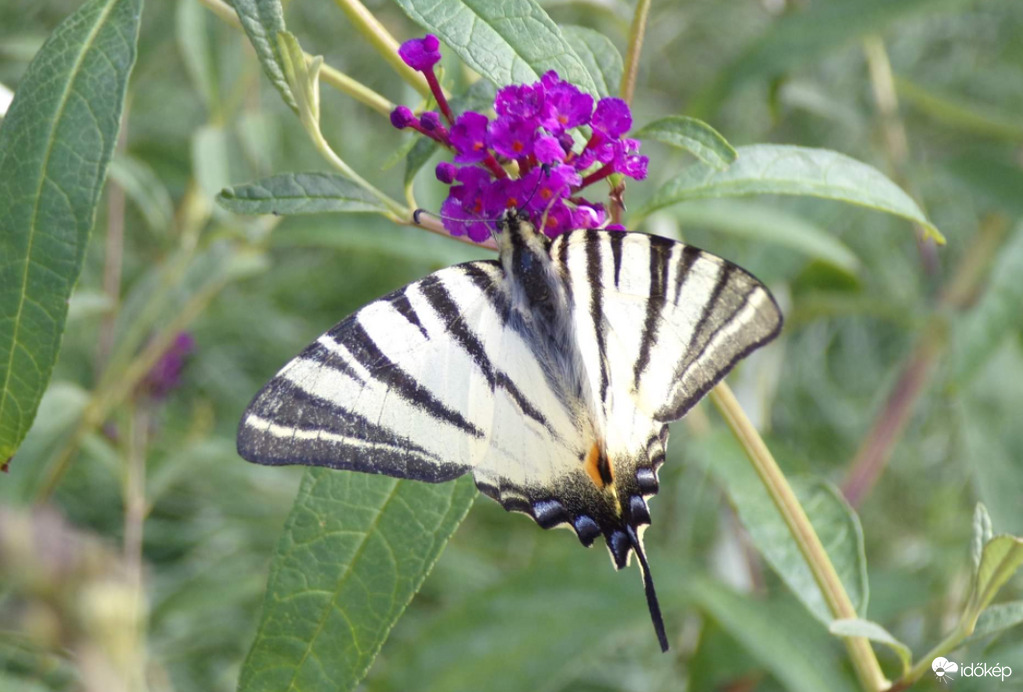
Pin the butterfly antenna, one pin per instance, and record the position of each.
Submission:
(545, 169)
(651, 593)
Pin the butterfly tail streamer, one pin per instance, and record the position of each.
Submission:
(651, 593)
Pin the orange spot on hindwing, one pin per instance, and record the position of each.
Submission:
(598, 466)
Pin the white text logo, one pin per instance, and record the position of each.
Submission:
(946, 670)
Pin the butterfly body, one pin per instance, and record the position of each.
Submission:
(550, 374)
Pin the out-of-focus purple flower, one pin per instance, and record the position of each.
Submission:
(469, 137)
(165, 375)
(420, 53)
(527, 158)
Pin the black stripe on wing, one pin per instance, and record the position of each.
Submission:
(440, 300)
(593, 273)
(366, 351)
(660, 258)
(287, 425)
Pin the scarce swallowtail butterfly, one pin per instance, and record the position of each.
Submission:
(551, 375)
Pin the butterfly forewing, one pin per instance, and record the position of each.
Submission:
(426, 383)
(670, 320)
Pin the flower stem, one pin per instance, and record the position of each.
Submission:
(636, 33)
(381, 39)
(868, 670)
(876, 447)
(332, 76)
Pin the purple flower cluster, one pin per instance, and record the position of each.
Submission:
(165, 375)
(527, 157)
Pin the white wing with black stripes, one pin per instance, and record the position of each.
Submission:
(551, 375)
(670, 320)
(426, 383)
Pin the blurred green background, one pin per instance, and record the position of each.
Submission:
(924, 339)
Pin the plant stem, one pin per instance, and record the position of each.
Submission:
(113, 252)
(113, 391)
(134, 519)
(868, 670)
(876, 448)
(636, 34)
(882, 82)
(332, 76)
(381, 39)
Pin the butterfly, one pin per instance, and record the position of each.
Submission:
(550, 374)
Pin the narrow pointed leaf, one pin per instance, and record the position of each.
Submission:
(355, 550)
(777, 169)
(510, 42)
(832, 518)
(875, 633)
(982, 533)
(142, 186)
(299, 193)
(490, 639)
(1003, 555)
(996, 315)
(55, 145)
(996, 618)
(695, 136)
(262, 20)
(779, 635)
(769, 224)
(600, 56)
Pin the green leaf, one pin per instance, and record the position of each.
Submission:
(194, 46)
(1002, 556)
(768, 224)
(211, 158)
(778, 169)
(262, 20)
(504, 639)
(355, 549)
(804, 35)
(695, 136)
(982, 533)
(600, 56)
(478, 97)
(375, 236)
(299, 193)
(998, 617)
(144, 189)
(55, 144)
(510, 42)
(997, 179)
(955, 112)
(875, 633)
(779, 635)
(832, 518)
(996, 315)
